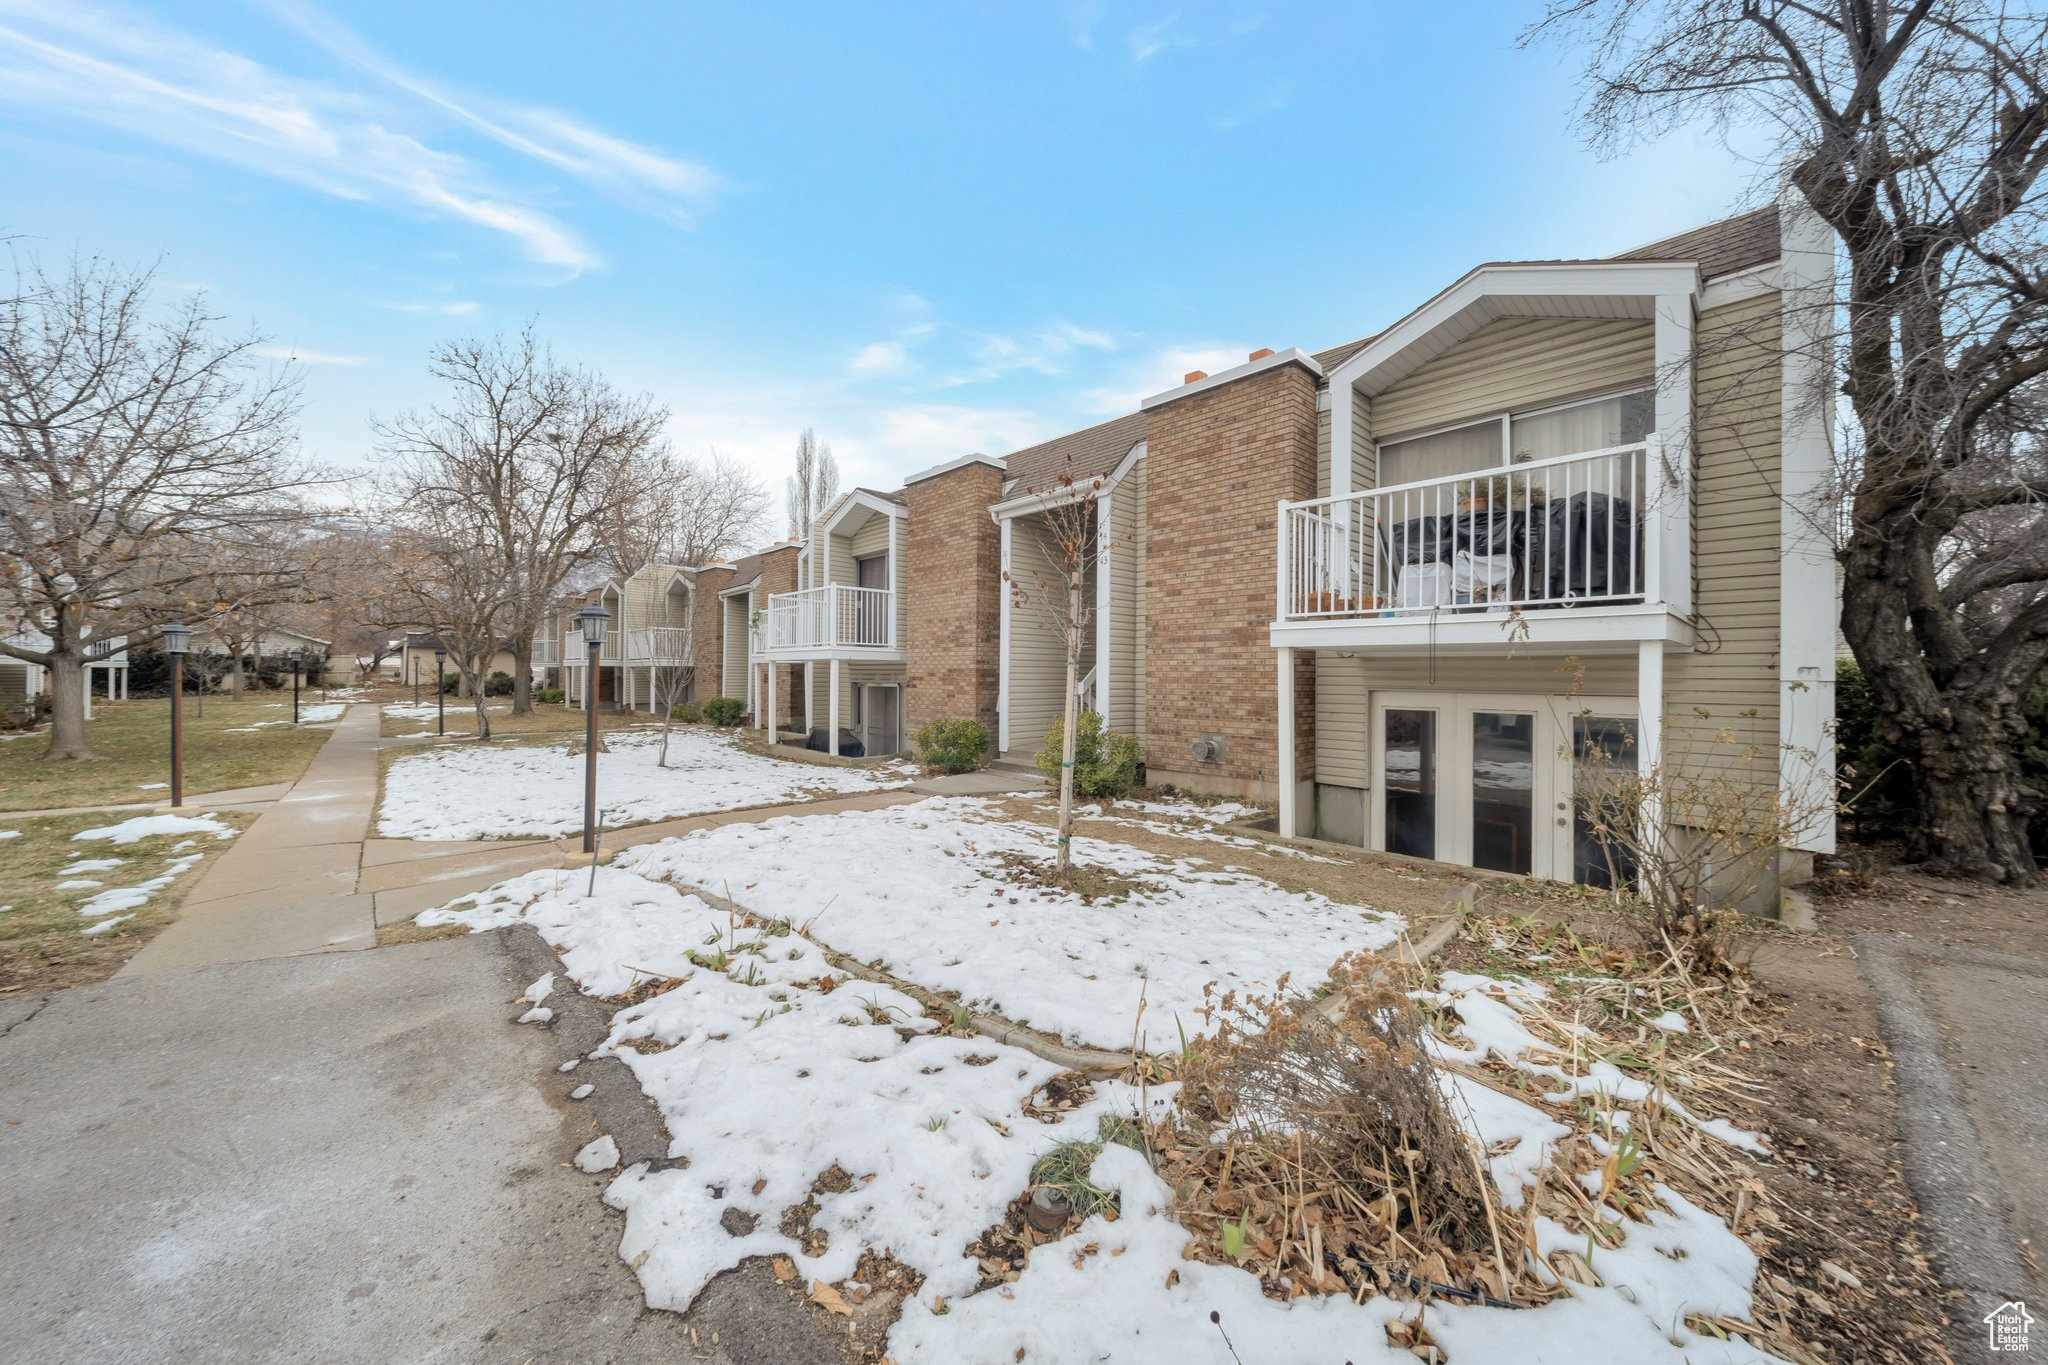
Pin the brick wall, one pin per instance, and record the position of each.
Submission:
(953, 578)
(707, 632)
(1217, 462)
(778, 575)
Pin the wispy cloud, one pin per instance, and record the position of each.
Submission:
(880, 358)
(124, 70)
(927, 433)
(305, 357)
(454, 308)
(1049, 350)
(1271, 101)
(1158, 371)
(1082, 17)
(1147, 41)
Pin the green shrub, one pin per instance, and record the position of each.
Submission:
(953, 746)
(1876, 784)
(1105, 762)
(687, 712)
(724, 710)
(450, 684)
(551, 694)
(499, 684)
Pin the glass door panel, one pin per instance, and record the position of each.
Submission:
(1503, 790)
(1603, 759)
(1411, 782)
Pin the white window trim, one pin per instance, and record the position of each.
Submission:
(1506, 418)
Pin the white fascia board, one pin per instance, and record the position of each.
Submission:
(1617, 629)
(1740, 286)
(1024, 504)
(736, 589)
(866, 500)
(1291, 356)
(1589, 279)
(993, 462)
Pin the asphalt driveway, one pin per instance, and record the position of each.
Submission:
(338, 1156)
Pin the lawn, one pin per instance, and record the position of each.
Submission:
(43, 943)
(404, 720)
(234, 744)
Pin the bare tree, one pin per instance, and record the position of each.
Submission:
(693, 512)
(449, 572)
(526, 462)
(1055, 581)
(255, 580)
(814, 484)
(1919, 133)
(128, 440)
(668, 686)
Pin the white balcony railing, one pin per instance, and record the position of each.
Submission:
(834, 617)
(1576, 530)
(547, 653)
(667, 645)
(576, 654)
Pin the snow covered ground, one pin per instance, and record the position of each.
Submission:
(923, 890)
(504, 791)
(310, 713)
(769, 1067)
(146, 826)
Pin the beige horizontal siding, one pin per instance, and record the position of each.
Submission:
(1344, 688)
(1126, 599)
(734, 683)
(1037, 663)
(1517, 363)
(1721, 701)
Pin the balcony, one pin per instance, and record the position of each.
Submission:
(837, 620)
(665, 646)
(576, 654)
(547, 653)
(1572, 550)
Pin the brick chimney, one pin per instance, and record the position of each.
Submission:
(952, 573)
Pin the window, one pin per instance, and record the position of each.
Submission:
(871, 571)
(1533, 434)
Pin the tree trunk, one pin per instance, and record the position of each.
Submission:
(522, 675)
(67, 708)
(235, 690)
(1063, 864)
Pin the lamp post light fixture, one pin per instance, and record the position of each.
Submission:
(441, 688)
(593, 619)
(295, 684)
(177, 639)
(415, 680)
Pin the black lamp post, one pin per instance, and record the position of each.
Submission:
(441, 688)
(593, 619)
(295, 685)
(415, 679)
(177, 639)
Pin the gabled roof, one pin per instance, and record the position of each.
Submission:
(1086, 454)
(1738, 243)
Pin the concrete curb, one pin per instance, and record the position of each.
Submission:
(1946, 1165)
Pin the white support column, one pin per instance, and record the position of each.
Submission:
(810, 697)
(1809, 606)
(1002, 645)
(1285, 696)
(774, 729)
(88, 691)
(895, 583)
(1669, 475)
(1105, 552)
(1650, 722)
(832, 709)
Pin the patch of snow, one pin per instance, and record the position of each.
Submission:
(151, 786)
(467, 792)
(149, 826)
(582, 1092)
(600, 1155)
(1215, 813)
(84, 864)
(539, 1014)
(1671, 1021)
(10, 834)
(5, 908)
(539, 990)
(571, 1064)
(323, 713)
(922, 889)
(105, 925)
(77, 884)
(136, 896)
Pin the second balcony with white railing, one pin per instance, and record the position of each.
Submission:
(662, 646)
(836, 619)
(1589, 546)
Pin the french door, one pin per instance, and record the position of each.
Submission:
(1494, 782)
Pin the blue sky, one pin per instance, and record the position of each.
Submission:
(923, 230)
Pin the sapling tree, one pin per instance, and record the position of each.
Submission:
(1053, 580)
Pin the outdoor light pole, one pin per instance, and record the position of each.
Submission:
(593, 619)
(441, 688)
(177, 639)
(415, 680)
(295, 687)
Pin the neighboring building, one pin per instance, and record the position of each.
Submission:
(21, 682)
(843, 626)
(417, 664)
(647, 656)
(1562, 531)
